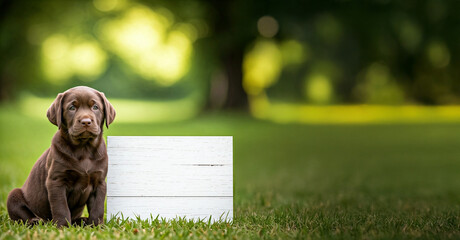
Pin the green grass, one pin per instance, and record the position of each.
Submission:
(382, 181)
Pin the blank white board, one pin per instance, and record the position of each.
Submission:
(170, 177)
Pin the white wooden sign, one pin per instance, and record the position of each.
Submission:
(170, 177)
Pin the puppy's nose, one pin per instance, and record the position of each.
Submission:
(85, 122)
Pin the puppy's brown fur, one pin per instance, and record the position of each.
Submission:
(71, 173)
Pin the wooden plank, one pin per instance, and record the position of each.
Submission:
(170, 176)
(169, 180)
(193, 208)
(170, 150)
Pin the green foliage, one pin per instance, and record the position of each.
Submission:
(385, 181)
(174, 49)
(127, 49)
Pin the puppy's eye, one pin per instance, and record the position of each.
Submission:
(72, 108)
(95, 107)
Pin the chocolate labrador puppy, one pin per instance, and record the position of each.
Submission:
(71, 173)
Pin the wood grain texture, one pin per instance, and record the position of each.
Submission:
(193, 174)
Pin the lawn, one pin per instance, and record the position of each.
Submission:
(291, 181)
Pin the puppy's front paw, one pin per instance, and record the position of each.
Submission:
(96, 221)
(81, 221)
(33, 221)
(61, 222)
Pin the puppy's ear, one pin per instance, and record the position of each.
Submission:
(54, 112)
(109, 111)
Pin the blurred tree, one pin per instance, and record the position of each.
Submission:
(10, 34)
(231, 36)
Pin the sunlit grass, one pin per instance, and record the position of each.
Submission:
(139, 111)
(352, 114)
(127, 110)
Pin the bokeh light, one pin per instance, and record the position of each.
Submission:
(63, 58)
(88, 59)
(108, 5)
(293, 52)
(318, 89)
(438, 54)
(409, 33)
(151, 43)
(54, 51)
(267, 26)
(261, 67)
(328, 28)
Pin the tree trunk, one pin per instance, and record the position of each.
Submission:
(236, 96)
(231, 42)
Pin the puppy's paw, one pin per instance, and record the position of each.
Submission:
(81, 221)
(34, 221)
(95, 221)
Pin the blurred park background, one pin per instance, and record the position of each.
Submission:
(276, 60)
(345, 114)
